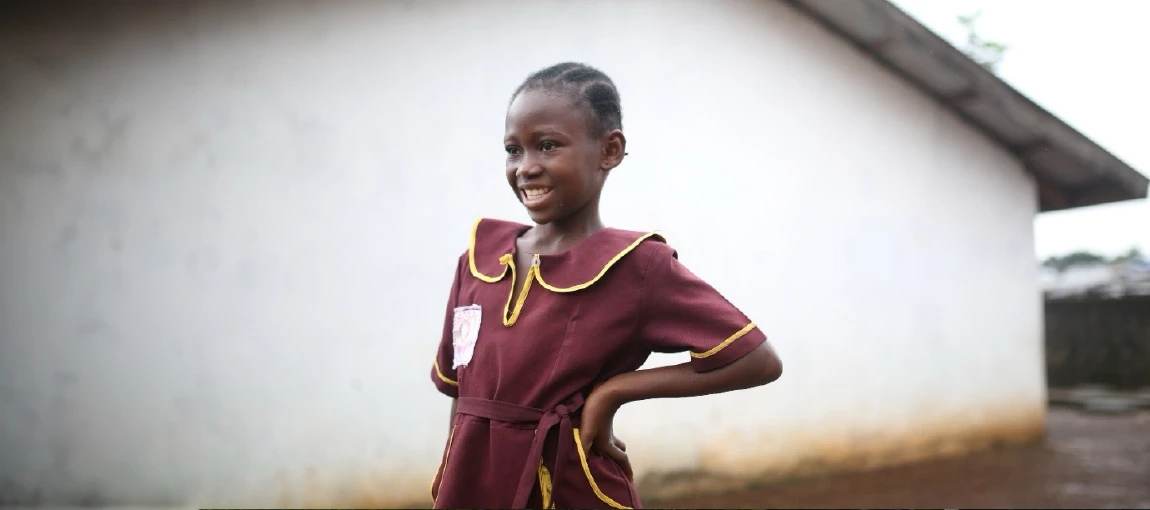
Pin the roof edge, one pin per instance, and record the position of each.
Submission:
(1071, 170)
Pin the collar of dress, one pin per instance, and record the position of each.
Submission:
(490, 255)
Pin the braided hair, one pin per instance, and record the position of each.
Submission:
(588, 86)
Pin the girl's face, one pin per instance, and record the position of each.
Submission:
(554, 165)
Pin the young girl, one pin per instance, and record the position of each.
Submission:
(547, 325)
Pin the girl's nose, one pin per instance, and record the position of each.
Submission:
(528, 167)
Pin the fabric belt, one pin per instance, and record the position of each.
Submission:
(545, 421)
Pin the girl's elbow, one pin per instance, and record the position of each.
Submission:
(771, 370)
(768, 366)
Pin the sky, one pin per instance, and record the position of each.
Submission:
(1084, 61)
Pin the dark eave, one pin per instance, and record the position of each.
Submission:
(1071, 170)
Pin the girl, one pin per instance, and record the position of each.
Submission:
(547, 325)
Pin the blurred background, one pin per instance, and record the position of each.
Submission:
(227, 230)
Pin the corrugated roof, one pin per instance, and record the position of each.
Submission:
(1071, 170)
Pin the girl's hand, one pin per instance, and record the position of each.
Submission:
(756, 368)
(597, 429)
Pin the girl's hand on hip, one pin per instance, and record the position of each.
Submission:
(756, 368)
(597, 431)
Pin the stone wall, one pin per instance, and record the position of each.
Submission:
(1098, 341)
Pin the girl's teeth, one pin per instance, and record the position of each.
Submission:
(535, 193)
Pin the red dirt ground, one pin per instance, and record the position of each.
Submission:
(1087, 461)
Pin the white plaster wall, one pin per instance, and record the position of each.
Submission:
(227, 232)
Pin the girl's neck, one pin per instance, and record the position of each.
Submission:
(563, 234)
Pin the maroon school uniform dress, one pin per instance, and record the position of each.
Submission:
(520, 366)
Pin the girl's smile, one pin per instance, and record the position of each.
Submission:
(535, 197)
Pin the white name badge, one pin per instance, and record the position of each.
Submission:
(464, 333)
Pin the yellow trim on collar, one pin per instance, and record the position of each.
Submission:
(746, 329)
(471, 258)
(506, 261)
(606, 267)
(510, 315)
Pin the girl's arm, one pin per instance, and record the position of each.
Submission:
(451, 422)
(758, 367)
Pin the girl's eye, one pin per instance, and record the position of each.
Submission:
(511, 150)
(548, 145)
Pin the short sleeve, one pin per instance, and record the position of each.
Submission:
(681, 312)
(444, 377)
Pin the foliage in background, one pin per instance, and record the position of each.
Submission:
(1085, 258)
(988, 54)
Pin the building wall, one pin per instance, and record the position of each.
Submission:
(228, 232)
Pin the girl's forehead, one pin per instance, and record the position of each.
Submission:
(533, 107)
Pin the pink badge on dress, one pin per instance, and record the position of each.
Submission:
(464, 333)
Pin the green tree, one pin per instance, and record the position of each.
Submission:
(1078, 258)
(988, 54)
(1085, 258)
(1132, 254)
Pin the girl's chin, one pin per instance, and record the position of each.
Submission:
(540, 217)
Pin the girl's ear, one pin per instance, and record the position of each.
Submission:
(614, 149)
